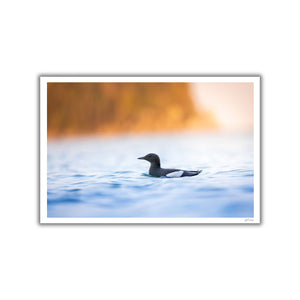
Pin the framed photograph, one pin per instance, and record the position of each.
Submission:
(150, 149)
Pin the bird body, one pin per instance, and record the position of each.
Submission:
(156, 170)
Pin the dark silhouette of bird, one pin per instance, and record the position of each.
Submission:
(156, 171)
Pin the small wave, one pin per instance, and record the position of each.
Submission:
(97, 194)
(238, 209)
(115, 185)
(78, 182)
(64, 201)
(74, 190)
(146, 174)
(249, 175)
(236, 172)
(123, 172)
(247, 189)
(211, 189)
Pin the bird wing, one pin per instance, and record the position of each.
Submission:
(191, 173)
(175, 174)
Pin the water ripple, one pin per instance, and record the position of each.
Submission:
(83, 184)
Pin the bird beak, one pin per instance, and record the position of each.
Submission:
(141, 157)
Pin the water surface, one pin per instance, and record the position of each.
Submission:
(102, 177)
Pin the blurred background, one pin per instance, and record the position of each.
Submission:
(109, 108)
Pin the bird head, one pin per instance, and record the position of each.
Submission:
(152, 158)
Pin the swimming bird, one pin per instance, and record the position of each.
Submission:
(157, 171)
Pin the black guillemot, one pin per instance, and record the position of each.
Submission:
(157, 171)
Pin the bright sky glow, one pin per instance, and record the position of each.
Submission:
(230, 102)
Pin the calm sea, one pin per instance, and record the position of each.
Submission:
(102, 177)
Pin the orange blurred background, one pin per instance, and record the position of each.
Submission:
(110, 108)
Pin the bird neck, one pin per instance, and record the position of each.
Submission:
(155, 164)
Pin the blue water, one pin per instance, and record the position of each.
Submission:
(102, 177)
